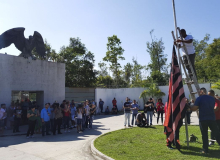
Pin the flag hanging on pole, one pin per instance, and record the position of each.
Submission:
(175, 111)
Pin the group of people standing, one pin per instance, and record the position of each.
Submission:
(52, 117)
(143, 118)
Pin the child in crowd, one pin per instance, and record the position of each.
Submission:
(107, 111)
(79, 111)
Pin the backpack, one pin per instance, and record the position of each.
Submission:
(193, 138)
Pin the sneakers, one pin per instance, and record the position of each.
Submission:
(27, 137)
(64, 131)
(32, 136)
(204, 152)
(211, 143)
(129, 126)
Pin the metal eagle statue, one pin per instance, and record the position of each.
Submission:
(16, 36)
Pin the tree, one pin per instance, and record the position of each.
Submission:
(137, 68)
(104, 81)
(212, 60)
(113, 55)
(103, 69)
(79, 64)
(200, 49)
(128, 72)
(157, 65)
(152, 91)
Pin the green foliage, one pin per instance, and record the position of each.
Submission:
(104, 81)
(128, 72)
(158, 58)
(153, 91)
(113, 55)
(103, 69)
(157, 65)
(216, 85)
(79, 64)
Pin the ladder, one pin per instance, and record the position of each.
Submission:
(189, 82)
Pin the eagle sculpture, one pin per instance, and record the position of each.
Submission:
(16, 36)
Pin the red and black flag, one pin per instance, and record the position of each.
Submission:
(175, 111)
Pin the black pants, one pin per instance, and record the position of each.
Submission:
(87, 121)
(192, 60)
(66, 122)
(101, 108)
(51, 124)
(204, 130)
(31, 126)
(16, 124)
(142, 123)
(218, 125)
(47, 126)
(188, 114)
(158, 116)
(24, 116)
(57, 124)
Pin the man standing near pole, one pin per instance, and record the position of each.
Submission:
(206, 104)
(188, 41)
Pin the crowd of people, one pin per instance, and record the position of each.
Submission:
(50, 119)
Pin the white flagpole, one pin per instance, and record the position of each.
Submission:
(175, 24)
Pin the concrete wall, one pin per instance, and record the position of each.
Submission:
(19, 74)
(79, 94)
(120, 94)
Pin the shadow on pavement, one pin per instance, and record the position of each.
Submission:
(65, 137)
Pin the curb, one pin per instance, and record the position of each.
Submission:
(97, 152)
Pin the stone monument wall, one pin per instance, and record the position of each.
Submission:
(19, 74)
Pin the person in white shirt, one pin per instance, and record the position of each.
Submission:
(188, 41)
(87, 109)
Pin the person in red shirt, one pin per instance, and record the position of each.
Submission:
(160, 110)
(217, 115)
(66, 118)
(114, 103)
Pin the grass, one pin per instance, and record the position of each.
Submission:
(150, 143)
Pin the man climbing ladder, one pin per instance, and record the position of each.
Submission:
(188, 40)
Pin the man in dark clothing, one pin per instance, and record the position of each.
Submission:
(206, 104)
(101, 104)
(141, 120)
(150, 110)
(127, 112)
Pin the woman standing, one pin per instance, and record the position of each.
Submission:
(58, 118)
(38, 121)
(160, 110)
(66, 118)
(31, 115)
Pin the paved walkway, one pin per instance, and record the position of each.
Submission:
(68, 146)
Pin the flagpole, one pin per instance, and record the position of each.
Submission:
(175, 24)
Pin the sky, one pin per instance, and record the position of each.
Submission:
(95, 20)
